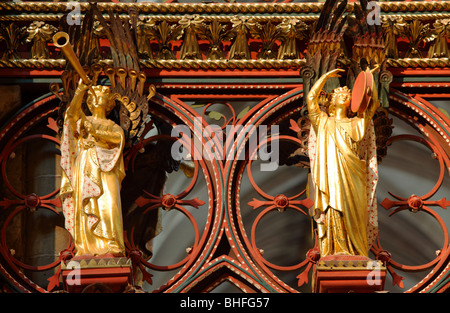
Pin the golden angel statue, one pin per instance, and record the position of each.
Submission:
(93, 141)
(93, 169)
(342, 150)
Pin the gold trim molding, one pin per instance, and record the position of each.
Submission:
(220, 8)
(359, 265)
(59, 64)
(96, 263)
(44, 15)
(54, 17)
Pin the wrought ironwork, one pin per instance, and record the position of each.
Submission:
(225, 244)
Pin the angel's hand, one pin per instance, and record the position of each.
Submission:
(88, 128)
(82, 86)
(334, 73)
(374, 69)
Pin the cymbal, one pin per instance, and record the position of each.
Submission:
(362, 92)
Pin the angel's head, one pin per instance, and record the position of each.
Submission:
(340, 99)
(341, 96)
(100, 100)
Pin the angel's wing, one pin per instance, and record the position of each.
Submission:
(325, 45)
(324, 48)
(368, 46)
(127, 79)
(347, 39)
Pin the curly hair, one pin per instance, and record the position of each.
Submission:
(331, 98)
(91, 97)
(338, 91)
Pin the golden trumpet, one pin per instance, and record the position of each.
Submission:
(61, 40)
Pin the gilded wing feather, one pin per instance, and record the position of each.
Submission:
(127, 80)
(325, 44)
(347, 39)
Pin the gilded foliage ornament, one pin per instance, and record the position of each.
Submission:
(269, 34)
(290, 31)
(13, 36)
(415, 32)
(439, 35)
(215, 33)
(190, 48)
(241, 27)
(39, 34)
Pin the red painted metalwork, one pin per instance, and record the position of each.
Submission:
(225, 248)
(244, 265)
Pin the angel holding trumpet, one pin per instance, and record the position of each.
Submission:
(93, 169)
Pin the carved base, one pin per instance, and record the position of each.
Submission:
(99, 274)
(349, 273)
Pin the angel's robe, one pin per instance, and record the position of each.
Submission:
(92, 172)
(344, 175)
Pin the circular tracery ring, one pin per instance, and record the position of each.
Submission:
(226, 121)
(252, 158)
(195, 245)
(170, 111)
(256, 251)
(279, 202)
(444, 247)
(169, 202)
(419, 203)
(436, 153)
(10, 149)
(7, 253)
(10, 138)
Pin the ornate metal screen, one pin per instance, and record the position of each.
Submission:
(234, 213)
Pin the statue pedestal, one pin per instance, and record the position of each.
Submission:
(349, 273)
(98, 274)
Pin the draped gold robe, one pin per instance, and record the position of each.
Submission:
(344, 194)
(90, 188)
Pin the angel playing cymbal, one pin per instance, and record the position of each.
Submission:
(342, 150)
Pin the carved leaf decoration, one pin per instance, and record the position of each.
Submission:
(54, 280)
(243, 112)
(215, 115)
(387, 203)
(52, 124)
(397, 280)
(141, 201)
(56, 202)
(255, 203)
(303, 277)
(194, 202)
(6, 203)
(294, 126)
(146, 275)
(443, 203)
